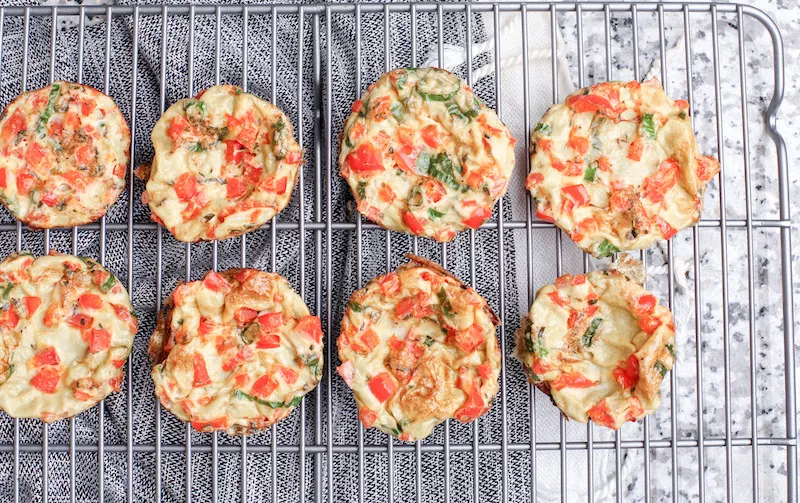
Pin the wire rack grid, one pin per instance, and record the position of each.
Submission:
(719, 441)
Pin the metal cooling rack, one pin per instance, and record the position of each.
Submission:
(322, 167)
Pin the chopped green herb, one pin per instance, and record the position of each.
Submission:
(355, 306)
(543, 128)
(682, 115)
(671, 350)
(428, 341)
(48, 110)
(200, 105)
(7, 290)
(397, 111)
(348, 142)
(447, 309)
(278, 126)
(275, 405)
(588, 335)
(536, 344)
(361, 189)
(434, 213)
(435, 96)
(294, 402)
(662, 369)
(397, 430)
(109, 283)
(195, 147)
(312, 362)
(605, 249)
(401, 81)
(648, 126)
(591, 169)
(467, 116)
(10, 370)
(439, 167)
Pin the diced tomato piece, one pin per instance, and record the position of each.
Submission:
(46, 380)
(432, 136)
(80, 320)
(577, 194)
(200, 372)
(579, 144)
(648, 323)
(465, 340)
(539, 367)
(404, 307)
(293, 157)
(386, 194)
(473, 405)
(49, 199)
(367, 417)
(85, 155)
(244, 315)
(3, 178)
(219, 423)
(206, 326)
(646, 303)
(268, 341)
(412, 223)
(118, 363)
(590, 103)
(25, 182)
(533, 180)
(543, 215)
(627, 376)
(32, 304)
(681, 104)
(177, 127)
(77, 179)
(234, 152)
(90, 301)
(659, 183)
(357, 106)
(240, 356)
(707, 167)
(216, 283)
(390, 284)
(81, 395)
(370, 339)
(288, 375)
(563, 281)
(185, 186)
(72, 121)
(666, 229)
(47, 357)
(579, 279)
(365, 159)
(34, 154)
(235, 188)
(601, 415)
(434, 190)
(382, 386)
(603, 163)
(264, 386)
(270, 321)
(406, 157)
(485, 370)
(477, 218)
(87, 107)
(13, 126)
(635, 150)
(98, 339)
(571, 381)
(558, 299)
(347, 371)
(573, 317)
(311, 326)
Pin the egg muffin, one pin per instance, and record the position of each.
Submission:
(617, 167)
(599, 345)
(423, 155)
(418, 347)
(66, 330)
(64, 150)
(235, 351)
(225, 163)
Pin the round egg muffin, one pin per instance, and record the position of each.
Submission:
(418, 347)
(64, 150)
(423, 155)
(236, 351)
(66, 330)
(616, 166)
(225, 163)
(599, 345)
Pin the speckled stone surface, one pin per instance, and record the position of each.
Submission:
(721, 349)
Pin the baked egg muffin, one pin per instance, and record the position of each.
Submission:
(616, 166)
(235, 351)
(225, 163)
(66, 330)
(599, 345)
(418, 347)
(423, 155)
(64, 150)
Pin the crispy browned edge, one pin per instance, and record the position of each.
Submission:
(416, 259)
(127, 154)
(289, 187)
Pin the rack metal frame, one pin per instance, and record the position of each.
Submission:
(323, 166)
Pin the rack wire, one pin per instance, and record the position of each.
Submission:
(317, 471)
